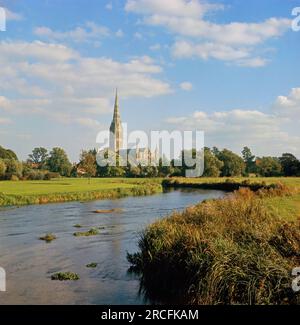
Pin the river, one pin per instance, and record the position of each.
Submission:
(30, 262)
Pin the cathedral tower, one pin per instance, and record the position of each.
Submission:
(116, 130)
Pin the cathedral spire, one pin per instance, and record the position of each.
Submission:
(116, 130)
(116, 109)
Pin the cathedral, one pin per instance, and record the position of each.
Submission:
(137, 155)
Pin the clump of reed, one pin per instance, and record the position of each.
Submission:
(92, 265)
(224, 251)
(89, 233)
(48, 238)
(65, 276)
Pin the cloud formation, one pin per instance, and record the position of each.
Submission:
(267, 132)
(235, 42)
(58, 82)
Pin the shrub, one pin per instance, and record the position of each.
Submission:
(51, 175)
(35, 175)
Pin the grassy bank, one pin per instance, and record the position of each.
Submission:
(236, 250)
(231, 184)
(67, 189)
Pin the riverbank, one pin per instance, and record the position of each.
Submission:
(68, 189)
(237, 250)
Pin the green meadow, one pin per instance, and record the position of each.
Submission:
(73, 189)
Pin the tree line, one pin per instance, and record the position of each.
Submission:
(42, 164)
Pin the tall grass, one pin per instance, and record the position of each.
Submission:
(225, 251)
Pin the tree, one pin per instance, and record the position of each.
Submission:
(58, 162)
(249, 160)
(233, 165)
(13, 168)
(2, 169)
(290, 164)
(269, 166)
(7, 154)
(212, 165)
(39, 157)
(88, 163)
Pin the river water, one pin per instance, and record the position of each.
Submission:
(30, 262)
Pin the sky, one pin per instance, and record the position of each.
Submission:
(229, 68)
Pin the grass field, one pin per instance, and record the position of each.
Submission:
(72, 189)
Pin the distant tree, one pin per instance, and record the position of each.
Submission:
(133, 171)
(269, 166)
(290, 165)
(115, 171)
(39, 157)
(249, 160)
(212, 165)
(58, 162)
(7, 154)
(233, 165)
(2, 169)
(13, 168)
(215, 151)
(88, 163)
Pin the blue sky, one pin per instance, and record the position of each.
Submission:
(230, 68)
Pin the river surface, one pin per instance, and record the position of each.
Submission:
(30, 262)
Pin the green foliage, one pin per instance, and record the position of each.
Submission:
(249, 160)
(269, 166)
(88, 163)
(58, 162)
(2, 169)
(212, 165)
(7, 154)
(65, 276)
(39, 157)
(233, 165)
(290, 165)
(13, 168)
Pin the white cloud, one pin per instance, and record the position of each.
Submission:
(57, 82)
(235, 41)
(181, 8)
(267, 133)
(10, 15)
(25, 51)
(90, 31)
(187, 86)
(88, 122)
(288, 106)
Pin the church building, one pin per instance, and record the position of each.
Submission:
(143, 156)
